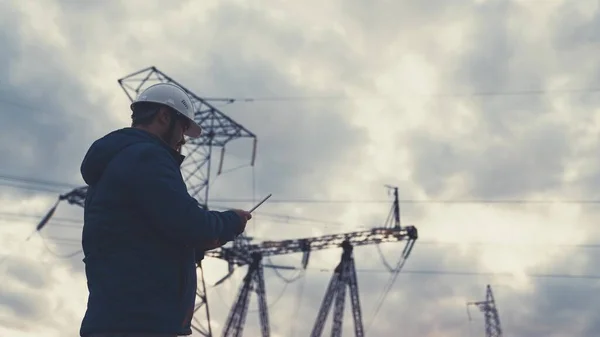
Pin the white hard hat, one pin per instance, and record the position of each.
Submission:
(174, 97)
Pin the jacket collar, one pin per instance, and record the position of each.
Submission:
(179, 158)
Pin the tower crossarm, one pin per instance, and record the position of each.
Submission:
(219, 128)
(241, 256)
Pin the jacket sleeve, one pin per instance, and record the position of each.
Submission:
(159, 191)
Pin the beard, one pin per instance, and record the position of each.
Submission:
(179, 145)
(172, 141)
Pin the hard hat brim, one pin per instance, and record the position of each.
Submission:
(194, 131)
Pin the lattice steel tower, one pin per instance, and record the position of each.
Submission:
(218, 130)
(490, 312)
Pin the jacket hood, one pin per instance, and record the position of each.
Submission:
(103, 150)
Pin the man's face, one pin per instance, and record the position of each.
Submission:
(180, 127)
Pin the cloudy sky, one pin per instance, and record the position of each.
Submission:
(455, 102)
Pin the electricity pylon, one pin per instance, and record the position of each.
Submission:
(490, 313)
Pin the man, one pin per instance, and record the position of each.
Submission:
(143, 232)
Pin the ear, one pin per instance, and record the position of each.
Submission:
(163, 116)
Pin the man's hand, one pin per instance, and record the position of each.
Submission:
(244, 216)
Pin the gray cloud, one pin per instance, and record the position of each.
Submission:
(43, 108)
(530, 161)
(20, 305)
(28, 274)
(520, 145)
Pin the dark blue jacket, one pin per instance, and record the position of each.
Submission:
(140, 233)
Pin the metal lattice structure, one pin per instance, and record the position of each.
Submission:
(493, 328)
(219, 129)
(343, 276)
(254, 280)
(372, 236)
(252, 254)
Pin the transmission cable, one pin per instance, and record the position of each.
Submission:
(36, 181)
(274, 302)
(419, 201)
(298, 305)
(55, 254)
(31, 188)
(535, 92)
(387, 288)
(283, 278)
(468, 273)
(52, 189)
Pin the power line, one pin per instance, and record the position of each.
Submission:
(426, 272)
(386, 271)
(535, 92)
(420, 271)
(291, 220)
(279, 99)
(67, 241)
(536, 244)
(75, 223)
(31, 187)
(52, 186)
(36, 181)
(468, 273)
(34, 184)
(56, 254)
(17, 215)
(420, 201)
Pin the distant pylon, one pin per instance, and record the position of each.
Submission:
(490, 312)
